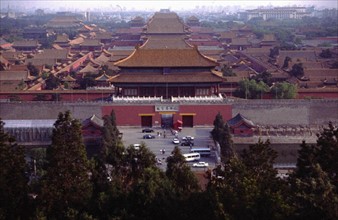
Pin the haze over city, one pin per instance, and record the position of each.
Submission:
(152, 5)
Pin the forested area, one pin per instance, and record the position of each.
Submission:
(124, 183)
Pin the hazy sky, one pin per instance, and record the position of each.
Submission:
(156, 4)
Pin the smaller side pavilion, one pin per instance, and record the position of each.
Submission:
(241, 126)
(92, 134)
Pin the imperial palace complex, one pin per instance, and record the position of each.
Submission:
(171, 73)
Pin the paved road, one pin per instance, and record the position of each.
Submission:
(202, 139)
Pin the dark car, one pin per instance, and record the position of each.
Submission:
(148, 136)
(147, 130)
(187, 143)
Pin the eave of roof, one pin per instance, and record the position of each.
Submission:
(167, 58)
(193, 77)
(238, 120)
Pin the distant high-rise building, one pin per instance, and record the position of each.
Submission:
(88, 16)
(277, 13)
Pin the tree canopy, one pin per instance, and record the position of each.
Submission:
(250, 89)
(13, 181)
(284, 90)
(66, 185)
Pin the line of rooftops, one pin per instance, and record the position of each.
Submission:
(166, 42)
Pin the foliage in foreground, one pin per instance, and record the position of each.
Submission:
(244, 186)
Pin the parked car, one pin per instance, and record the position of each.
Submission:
(188, 138)
(147, 130)
(148, 136)
(187, 143)
(200, 164)
(176, 141)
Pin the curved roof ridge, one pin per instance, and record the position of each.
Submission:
(239, 117)
(128, 57)
(206, 57)
(166, 58)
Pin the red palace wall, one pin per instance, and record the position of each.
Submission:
(130, 115)
(75, 95)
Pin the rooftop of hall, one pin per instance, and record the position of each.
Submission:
(186, 57)
(165, 23)
(166, 42)
(26, 43)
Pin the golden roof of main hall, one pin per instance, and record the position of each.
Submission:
(166, 42)
(187, 57)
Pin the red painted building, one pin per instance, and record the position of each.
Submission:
(241, 126)
(165, 115)
(92, 134)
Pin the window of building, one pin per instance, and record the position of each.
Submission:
(130, 92)
(202, 92)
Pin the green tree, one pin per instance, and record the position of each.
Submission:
(274, 52)
(87, 81)
(287, 60)
(52, 82)
(136, 161)
(260, 158)
(227, 71)
(327, 154)
(66, 188)
(314, 182)
(297, 70)
(13, 182)
(153, 197)
(218, 126)
(263, 77)
(184, 180)
(21, 85)
(33, 70)
(247, 187)
(326, 53)
(112, 148)
(284, 90)
(105, 69)
(221, 134)
(250, 89)
(315, 195)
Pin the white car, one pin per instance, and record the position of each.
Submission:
(176, 141)
(188, 138)
(200, 164)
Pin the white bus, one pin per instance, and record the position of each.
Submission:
(192, 157)
(203, 151)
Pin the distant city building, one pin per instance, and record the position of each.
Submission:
(193, 21)
(39, 12)
(26, 45)
(138, 21)
(277, 13)
(332, 13)
(88, 18)
(62, 22)
(34, 33)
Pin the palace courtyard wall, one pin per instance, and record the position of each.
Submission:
(261, 112)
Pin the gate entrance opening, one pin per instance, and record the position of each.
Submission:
(166, 120)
